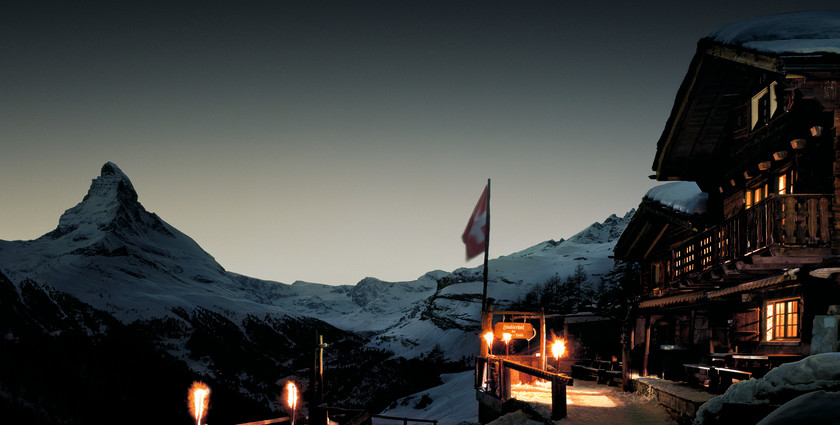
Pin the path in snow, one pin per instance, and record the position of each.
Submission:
(591, 403)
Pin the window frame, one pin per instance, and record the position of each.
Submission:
(789, 330)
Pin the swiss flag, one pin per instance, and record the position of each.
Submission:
(476, 231)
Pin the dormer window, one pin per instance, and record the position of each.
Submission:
(763, 106)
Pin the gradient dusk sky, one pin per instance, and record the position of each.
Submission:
(330, 141)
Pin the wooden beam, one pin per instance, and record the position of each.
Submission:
(656, 240)
(266, 422)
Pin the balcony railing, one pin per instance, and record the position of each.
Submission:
(781, 220)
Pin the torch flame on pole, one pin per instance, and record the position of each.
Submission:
(507, 337)
(199, 400)
(558, 348)
(488, 336)
(291, 398)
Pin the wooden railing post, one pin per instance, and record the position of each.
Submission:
(505, 388)
(558, 399)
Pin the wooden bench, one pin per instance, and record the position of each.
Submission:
(601, 371)
(612, 376)
(719, 378)
(585, 369)
(727, 376)
(697, 374)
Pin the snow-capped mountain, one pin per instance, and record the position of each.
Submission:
(110, 254)
(114, 255)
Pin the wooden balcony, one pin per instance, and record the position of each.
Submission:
(780, 232)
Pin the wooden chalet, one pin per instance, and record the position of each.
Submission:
(756, 125)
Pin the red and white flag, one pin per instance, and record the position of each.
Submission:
(476, 232)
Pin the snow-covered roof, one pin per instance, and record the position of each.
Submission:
(800, 32)
(684, 197)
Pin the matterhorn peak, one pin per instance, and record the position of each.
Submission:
(111, 203)
(112, 183)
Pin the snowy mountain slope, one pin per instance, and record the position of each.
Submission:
(109, 255)
(451, 316)
(114, 255)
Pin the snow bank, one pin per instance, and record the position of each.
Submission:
(780, 385)
(515, 418)
(801, 32)
(814, 408)
(684, 197)
(451, 403)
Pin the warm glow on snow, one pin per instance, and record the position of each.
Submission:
(199, 400)
(540, 392)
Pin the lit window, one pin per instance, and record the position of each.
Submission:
(754, 196)
(782, 320)
(785, 183)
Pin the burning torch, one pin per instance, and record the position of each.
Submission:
(488, 336)
(506, 336)
(557, 350)
(199, 400)
(291, 398)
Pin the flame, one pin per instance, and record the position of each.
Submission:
(488, 337)
(291, 398)
(199, 400)
(291, 394)
(506, 336)
(558, 348)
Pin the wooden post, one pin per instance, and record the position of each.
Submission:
(626, 345)
(647, 346)
(486, 246)
(558, 399)
(482, 344)
(543, 354)
(318, 413)
(504, 388)
(835, 236)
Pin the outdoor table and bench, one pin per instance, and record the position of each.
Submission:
(720, 378)
(601, 371)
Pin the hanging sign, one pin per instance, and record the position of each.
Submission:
(516, 330)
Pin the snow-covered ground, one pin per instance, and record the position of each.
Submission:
(453, 402)
(588, 403)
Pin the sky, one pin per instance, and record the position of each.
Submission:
(329, 141)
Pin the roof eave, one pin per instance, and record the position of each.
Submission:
(706, 48)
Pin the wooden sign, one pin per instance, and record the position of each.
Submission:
(516, 330)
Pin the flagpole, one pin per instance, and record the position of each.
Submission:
(486, 247)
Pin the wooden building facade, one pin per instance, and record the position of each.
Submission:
(758, 131)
